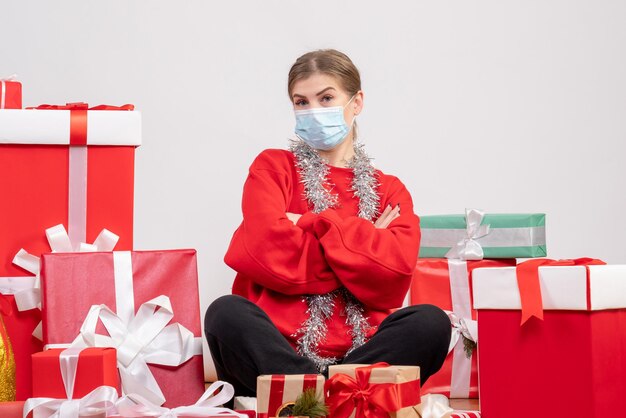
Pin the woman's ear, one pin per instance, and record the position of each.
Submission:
(358, 102)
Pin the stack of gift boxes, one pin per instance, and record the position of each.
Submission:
(71, 286)
(530, 335)
(527, 335)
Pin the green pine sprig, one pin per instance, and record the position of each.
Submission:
(469, 346)
(308, 405)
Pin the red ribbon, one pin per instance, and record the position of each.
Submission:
(529, 287)
(78, 117)
(370, 400)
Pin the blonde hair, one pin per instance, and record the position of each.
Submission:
(330, 62)
(326, 61)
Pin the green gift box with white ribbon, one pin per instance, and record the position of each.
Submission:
(477, 235)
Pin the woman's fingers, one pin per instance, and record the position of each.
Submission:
(293, 217)
(382, 217)
(387, 217)
(392, 215)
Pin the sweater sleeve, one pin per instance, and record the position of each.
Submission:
(375, 264)
(268, 248)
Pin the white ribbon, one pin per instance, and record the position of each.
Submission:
(462, 325)
(3, 89)
(134, 405)
(146, 339)
(468, 248)
(99, 401)
(68, 362)
(465, 327)
(434, 406)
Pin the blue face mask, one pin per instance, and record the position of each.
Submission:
(323, 128)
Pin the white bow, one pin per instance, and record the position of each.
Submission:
(465, 327)
(59, 242)
(146, 338)
(99, 401)
(134, 405)
(468, 248)
(434, 406)
(27, 290)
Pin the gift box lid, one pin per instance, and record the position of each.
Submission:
(52, 127)
(595, 287)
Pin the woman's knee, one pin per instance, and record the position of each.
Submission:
(433, 324)
(223, 313)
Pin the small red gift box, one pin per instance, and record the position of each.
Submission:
(568, 364)
(133, 285)
(10, 93)
(95, 367)
(12, 409)
(274, 391)
(49, 181)
(446, 284)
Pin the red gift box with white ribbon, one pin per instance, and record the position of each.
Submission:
(553, 333)
(144, 303)
(73, 373)
(70, 166)
(447, 284)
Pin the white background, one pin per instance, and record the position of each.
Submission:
(508, 106)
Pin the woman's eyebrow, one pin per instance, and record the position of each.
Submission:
(321, 92)
(327, 88)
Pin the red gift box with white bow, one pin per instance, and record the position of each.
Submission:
(553, 333)
(144, 303)
(69, 166)
(447, 285)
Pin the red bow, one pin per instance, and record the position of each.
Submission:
(82, 106)
(528, 282)
(371, 400)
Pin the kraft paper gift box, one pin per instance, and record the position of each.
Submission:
(493, 235)
(571, 363)
(91, 367)
(10, 93)
(375, 389)
(71, 167)
(274, 391)
(131, 291)
(447, 285)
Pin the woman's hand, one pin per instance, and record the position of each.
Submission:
(382, 222)
(293, 217)
(387, 216)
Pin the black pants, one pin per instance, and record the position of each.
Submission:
(245, 343)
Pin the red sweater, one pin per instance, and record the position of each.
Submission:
(278, 262)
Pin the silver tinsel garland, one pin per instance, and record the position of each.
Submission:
(318, 192)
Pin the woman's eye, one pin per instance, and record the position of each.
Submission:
(301, 103)
(327, 98)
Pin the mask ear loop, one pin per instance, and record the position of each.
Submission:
(354, 136)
